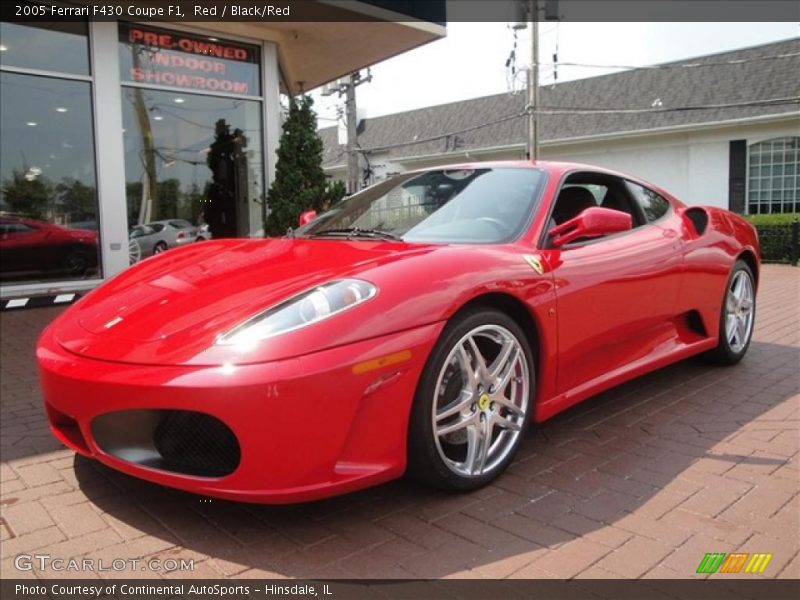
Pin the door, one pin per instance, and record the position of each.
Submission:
(616, 296)
(23, 247)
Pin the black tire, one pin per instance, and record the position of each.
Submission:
(730, 352)
(76, 261)
(160, 247)
(425, 461)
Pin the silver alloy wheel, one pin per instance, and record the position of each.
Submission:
(739, 311)
(134, 252)
(482, 395)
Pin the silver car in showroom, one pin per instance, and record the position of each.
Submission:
(159, 236)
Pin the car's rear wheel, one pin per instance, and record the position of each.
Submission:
(76, 261)
(159, 248)
(472, 406)
(737, 316)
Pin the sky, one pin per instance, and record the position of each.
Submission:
(471, 61)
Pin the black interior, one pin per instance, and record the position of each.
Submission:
(612, 192)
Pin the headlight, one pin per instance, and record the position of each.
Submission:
(304, 309)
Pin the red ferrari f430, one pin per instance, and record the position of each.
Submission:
(420, 325)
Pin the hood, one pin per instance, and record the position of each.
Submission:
(171, 307)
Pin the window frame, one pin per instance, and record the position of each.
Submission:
(177, 27)
(667, 212)
(266, 164)
(60, 74)
(544, 238)
(106, 86)
(749, 179)
(13, 288)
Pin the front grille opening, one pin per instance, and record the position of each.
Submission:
(196, 443)
(179, 441)
(67, 430)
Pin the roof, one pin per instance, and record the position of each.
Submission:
(719, 79)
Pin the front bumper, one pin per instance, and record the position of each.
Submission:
(306, 428)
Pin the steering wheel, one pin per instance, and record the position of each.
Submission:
(496, 223)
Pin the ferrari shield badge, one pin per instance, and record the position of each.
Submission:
(534, 262)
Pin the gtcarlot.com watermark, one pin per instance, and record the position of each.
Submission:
(47, 563)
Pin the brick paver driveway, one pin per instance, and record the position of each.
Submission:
(640, 481)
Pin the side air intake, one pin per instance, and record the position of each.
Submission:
(699, 218)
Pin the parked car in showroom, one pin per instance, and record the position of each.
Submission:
(160, 236)
(36, 248)
(419, 326)
(204, 232)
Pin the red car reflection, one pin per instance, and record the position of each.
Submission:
(34, 248)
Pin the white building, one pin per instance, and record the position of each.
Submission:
(722, 129)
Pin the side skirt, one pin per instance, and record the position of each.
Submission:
(647, 364)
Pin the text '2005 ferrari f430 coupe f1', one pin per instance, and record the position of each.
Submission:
(420, 325)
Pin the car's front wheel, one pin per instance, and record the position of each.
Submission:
(473, 402)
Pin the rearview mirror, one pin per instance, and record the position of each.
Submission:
(307, 217)
(592, 222)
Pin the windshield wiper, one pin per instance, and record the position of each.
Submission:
(357, 232)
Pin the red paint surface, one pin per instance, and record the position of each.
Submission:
(604, 313)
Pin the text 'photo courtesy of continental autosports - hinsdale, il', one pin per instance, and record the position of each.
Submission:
(419, 326)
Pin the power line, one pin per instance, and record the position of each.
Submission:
(623, 111)
(691, 65)
(444, 135)
(589, 111)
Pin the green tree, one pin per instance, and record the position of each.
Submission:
(78, 199)
(335, 191)
(168, 192)
(300, 183)
(29, 196)
(192, 206)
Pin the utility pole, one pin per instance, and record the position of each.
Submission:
(347, 88)
(533, 84)
(351, 114)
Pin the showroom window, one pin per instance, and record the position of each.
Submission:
(774, 177)
(48, 188)
(192, 128)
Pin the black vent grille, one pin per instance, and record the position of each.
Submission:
(196, 444)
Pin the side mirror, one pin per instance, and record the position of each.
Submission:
(307, 217)
(592, 222)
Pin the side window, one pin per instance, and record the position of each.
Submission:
(598, 191)
(573, 199)
(653, 205)
(10, 228)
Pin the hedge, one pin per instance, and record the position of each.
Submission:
(775, 235)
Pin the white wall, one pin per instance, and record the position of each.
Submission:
(691, 165)
(664, 163)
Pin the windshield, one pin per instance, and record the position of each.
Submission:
(472, 206)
